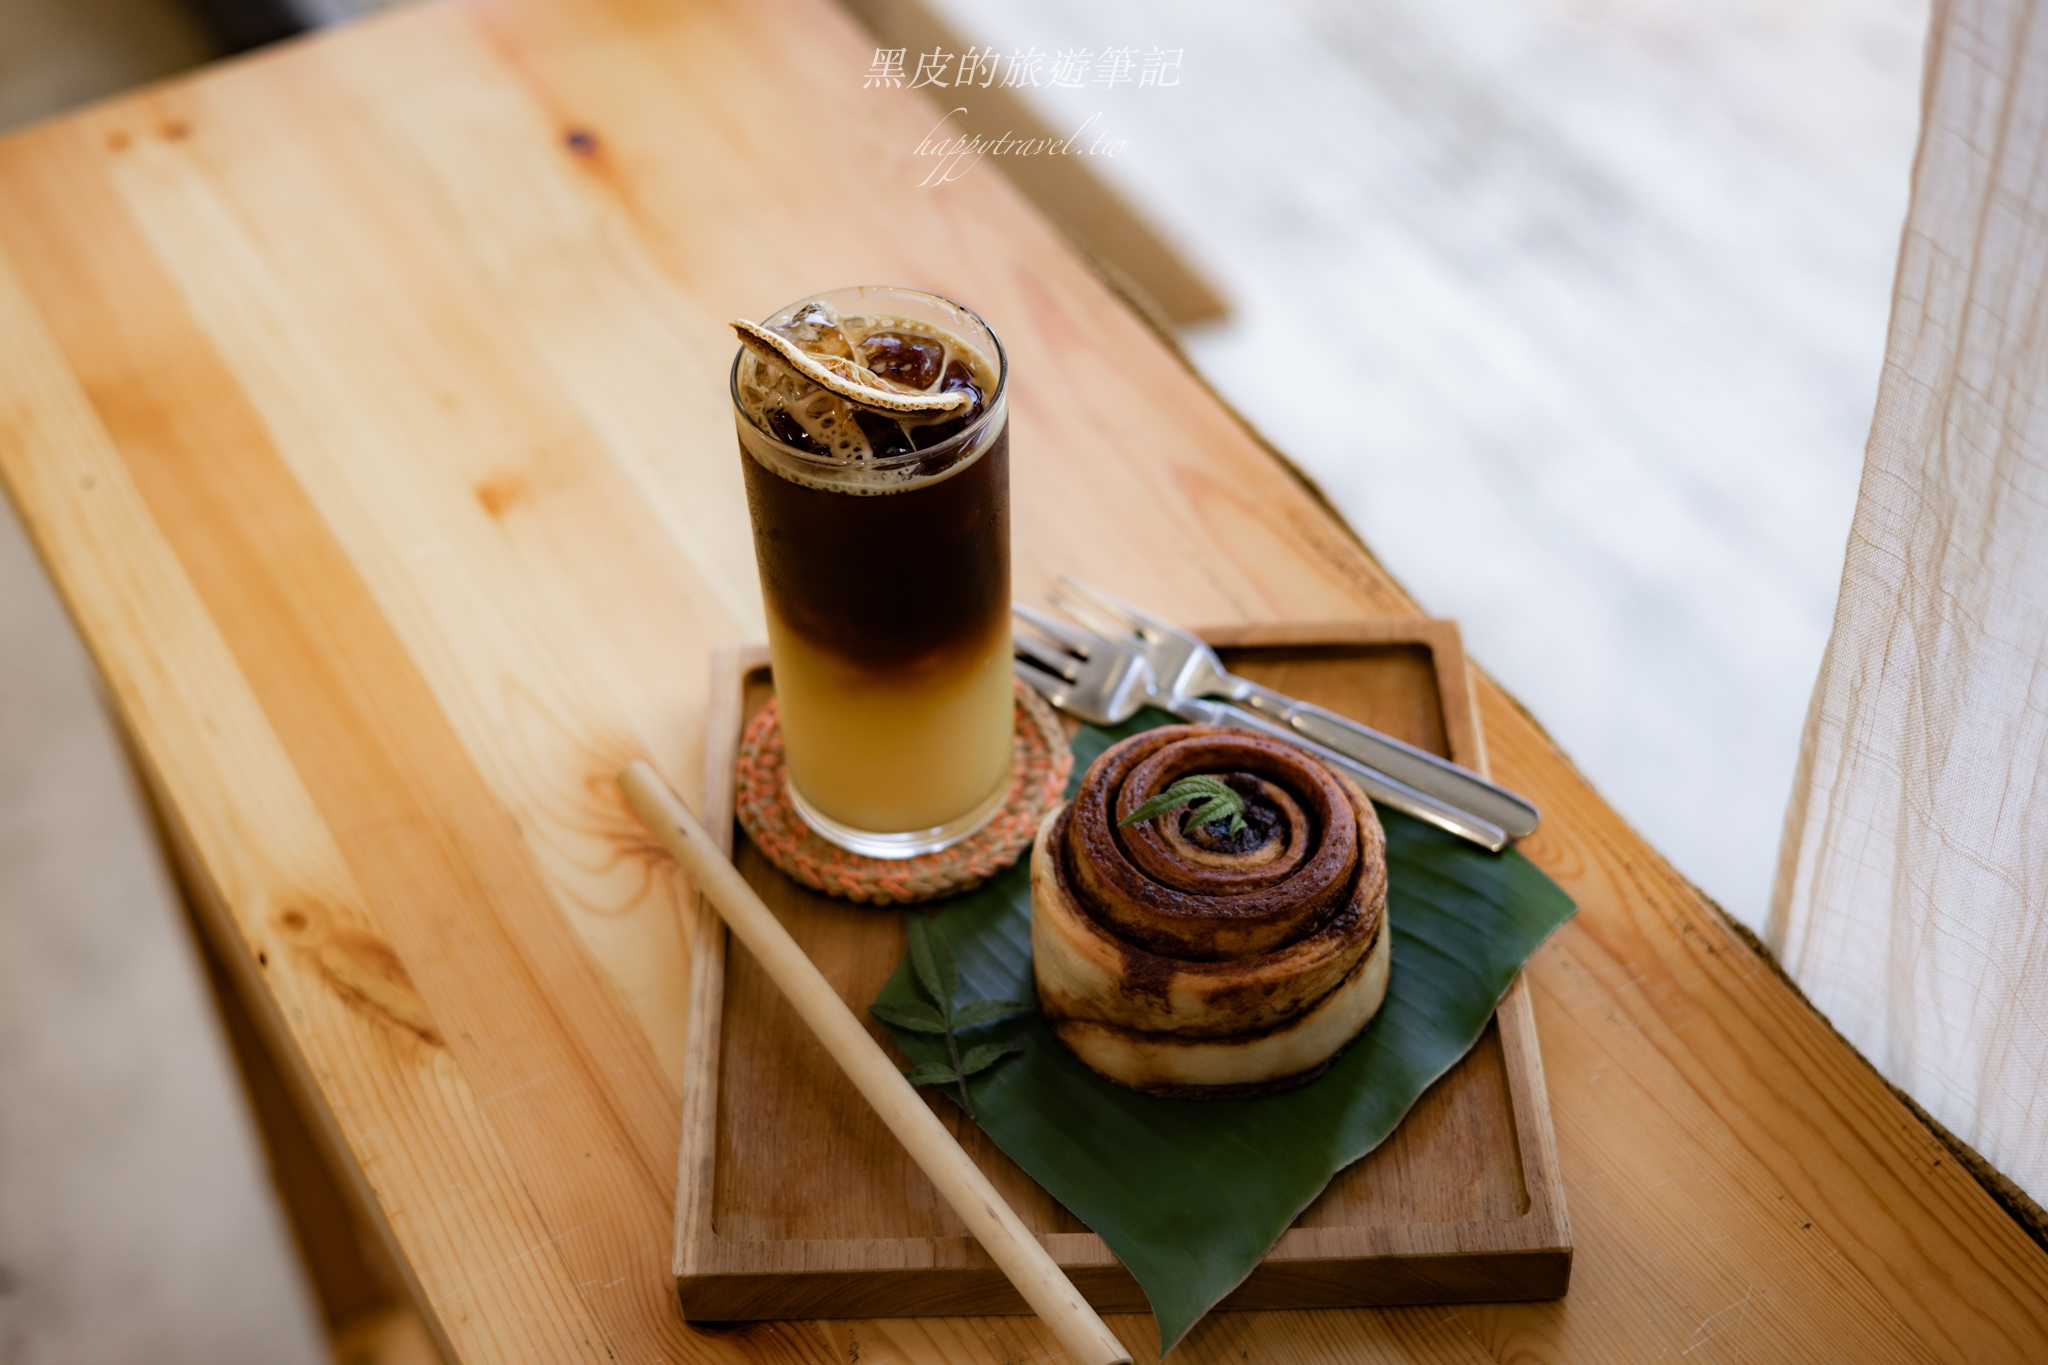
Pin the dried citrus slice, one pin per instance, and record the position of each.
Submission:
(847, 378)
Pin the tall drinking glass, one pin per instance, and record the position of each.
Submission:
(883, 543)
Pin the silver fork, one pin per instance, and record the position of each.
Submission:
(1184, 666)
(1104, 681)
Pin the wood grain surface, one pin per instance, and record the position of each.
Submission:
(796, 1201)
(366, 399)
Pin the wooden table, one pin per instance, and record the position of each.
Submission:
(366, 399)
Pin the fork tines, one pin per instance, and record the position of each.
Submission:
(1091, 676)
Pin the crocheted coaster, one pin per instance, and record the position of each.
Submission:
(1038, 779)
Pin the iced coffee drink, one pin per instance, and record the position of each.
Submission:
(875, 442)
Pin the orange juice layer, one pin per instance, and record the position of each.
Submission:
(896, 751)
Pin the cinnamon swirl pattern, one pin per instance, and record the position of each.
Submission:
(1201, 962)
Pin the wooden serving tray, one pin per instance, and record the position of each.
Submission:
(794, 1200)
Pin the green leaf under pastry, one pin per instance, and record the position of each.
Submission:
(925, 960)
(917, 1016)
(1189, 1194)
(988, 1011)
(985, 1056)
(931, 1073)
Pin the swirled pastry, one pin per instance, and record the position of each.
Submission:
(1199, 961)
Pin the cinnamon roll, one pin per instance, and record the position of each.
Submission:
(1227, 957)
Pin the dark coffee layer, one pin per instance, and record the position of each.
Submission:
(888, 580)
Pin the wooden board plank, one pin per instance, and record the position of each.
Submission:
(374, 430)
(796, 1202)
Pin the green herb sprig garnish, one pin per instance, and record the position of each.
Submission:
(931, 963)
(1219, 798)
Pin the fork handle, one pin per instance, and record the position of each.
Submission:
(1412, 767)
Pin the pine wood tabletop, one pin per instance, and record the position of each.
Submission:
(366, 399)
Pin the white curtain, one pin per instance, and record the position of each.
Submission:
(1912, 894)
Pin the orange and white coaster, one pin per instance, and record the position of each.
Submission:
(1038, 781)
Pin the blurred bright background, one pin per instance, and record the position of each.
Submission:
(1574, 309)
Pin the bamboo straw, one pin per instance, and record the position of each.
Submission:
(960, 1182)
